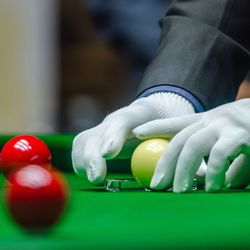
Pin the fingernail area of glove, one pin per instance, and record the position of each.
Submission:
(228, 185)
(138, 132)
(183, 187)
(91, 173)
(212, 188)
(155, 182)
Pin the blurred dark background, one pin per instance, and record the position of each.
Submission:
(105, 47)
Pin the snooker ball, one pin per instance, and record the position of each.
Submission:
(21, 150)
(36, 197)
(145, 158)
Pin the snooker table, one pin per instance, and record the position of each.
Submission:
(133, 219)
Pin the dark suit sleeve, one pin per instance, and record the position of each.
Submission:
(203, 51)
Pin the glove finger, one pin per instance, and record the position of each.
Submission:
(120, 129)
(94, 163)
(165, 127)
(191, 157)
(77, 153)
(219, 162)
(201, 173)
(238, 174)
(165, 169)
(84, 158)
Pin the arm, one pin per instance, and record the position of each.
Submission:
(212, 65)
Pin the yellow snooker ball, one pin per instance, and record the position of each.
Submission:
(145, 158)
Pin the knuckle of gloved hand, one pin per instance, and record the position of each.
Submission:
(195, 143)
(121, 123)
(80, 138)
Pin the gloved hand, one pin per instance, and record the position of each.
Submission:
(222, 133)
(93, 147)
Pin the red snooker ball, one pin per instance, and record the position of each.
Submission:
(22, 150)
(36, 197)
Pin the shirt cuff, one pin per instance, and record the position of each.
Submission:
(198, 107)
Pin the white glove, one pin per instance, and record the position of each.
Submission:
(92, 147)
(222, 133)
